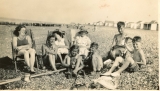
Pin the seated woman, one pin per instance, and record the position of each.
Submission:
(61, 43)
(73, 60)
(49, 51)
(83, 41)
(22, 44)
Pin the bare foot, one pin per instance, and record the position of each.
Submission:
(93, 73)
(115, 74)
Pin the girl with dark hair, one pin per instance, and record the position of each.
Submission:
(23, 45)
(61, 43)
(49, 51)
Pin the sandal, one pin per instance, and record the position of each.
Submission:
(32, 72)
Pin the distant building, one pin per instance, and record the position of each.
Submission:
(140, 25)
(109, 23)
(130, 25)
(99, 23)
(115, 24)
(145, 26)
(153, 25)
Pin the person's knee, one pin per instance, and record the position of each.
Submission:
(26, 52)
(130, 60)
(32, 51)
(119, 59)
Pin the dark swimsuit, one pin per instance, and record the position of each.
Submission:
(21, 42)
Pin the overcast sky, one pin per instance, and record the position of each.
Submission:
(80, 11)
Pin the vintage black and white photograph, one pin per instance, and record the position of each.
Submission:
(79, 45)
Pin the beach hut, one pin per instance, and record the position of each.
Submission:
(109, 23)
(145, 26)
(130, 25)
(115, 24)
(140, 25)
(100, 23)
(153, 25)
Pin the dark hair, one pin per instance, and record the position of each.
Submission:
(74, 47)
(117, 49)
(17, 29)
(136, 39)
(94, 44)
(48, 39)
(58, 32)
(83, 31)
(120, 24)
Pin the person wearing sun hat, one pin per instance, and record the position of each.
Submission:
(83, 41)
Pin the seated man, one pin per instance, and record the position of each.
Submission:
(124, 57)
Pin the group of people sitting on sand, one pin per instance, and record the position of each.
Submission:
(83, 52)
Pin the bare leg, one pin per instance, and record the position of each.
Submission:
(78, 67)
(100, 63)
(26, 56)
(32, 58)
(115, 64)
(94, 63)
(52, 61)
(124, 66)
(60, 57)
(43, 50)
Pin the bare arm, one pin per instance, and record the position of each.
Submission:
(45, 50)
(100, 61)
(88, 43)
(20, 47)
(114, 41)
(14, 43)
(81, 63)
(66, 62)
(142, 58)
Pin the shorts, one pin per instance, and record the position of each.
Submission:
(133, 67)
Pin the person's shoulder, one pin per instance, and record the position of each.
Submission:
(140, 51)
(15, 37)
(79, 57)
(28, 37)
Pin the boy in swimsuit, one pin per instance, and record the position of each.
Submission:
(129, 62)
(119, 39)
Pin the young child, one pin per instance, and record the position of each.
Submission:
(96, 62)
(73, 60)
(129, 62)
(83, 41)
(49, 50)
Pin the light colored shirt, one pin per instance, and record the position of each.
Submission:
(61, 43)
